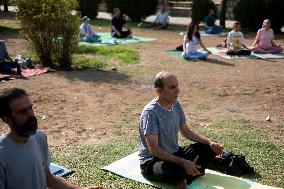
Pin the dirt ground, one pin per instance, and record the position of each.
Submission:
(86, 107)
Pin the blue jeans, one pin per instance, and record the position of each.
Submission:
(7, 67)
(91, 39)
(213, 30)
(195, 55)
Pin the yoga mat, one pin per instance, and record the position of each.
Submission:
(270, 56)
(129, 167)
(107, 39)
(59, 171)
(222, 53)
(24, 73)
(202, 33)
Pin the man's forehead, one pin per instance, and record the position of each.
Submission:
(171, 79)
(20, 103)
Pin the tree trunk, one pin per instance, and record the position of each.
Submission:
(5, 3)
(223, 13)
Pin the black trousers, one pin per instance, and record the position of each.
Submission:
(123, 34)
(241, 52)
(163, 171)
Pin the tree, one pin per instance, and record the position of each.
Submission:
(5, 4)
(223, 13)
(51, 28)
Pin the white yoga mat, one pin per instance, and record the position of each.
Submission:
(129, 167)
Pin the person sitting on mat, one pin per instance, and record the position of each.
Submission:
(264, 40)
(24, 153)
(88, 33)
(119, 28)
(161, 158)
(235, 41)
(190, 42)
(162, 19)
(209, 22)
(7, 65)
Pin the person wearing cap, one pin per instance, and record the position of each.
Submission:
(119, 28)
(161, 157)
(264, 40)
(162, 19)
(24, 152)
(88, 33)
(235, 41)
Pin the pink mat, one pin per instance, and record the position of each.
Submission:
(25, 73)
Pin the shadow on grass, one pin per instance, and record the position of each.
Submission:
(219, 62)
(95, 76)
(8, 31)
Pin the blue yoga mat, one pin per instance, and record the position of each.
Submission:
(60, 171)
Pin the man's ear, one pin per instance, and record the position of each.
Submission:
(158, 90)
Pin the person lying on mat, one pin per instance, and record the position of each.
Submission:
(24, 154)
(162, 19)
(209, 22)
(119, 28)
(88, 34)
(235, 41)
(190, 42)
(264, 40)
(7, 65)
(161, 158)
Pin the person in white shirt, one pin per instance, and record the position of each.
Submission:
(235, 41)
(88, 33)
(162, 19)
(190, 42)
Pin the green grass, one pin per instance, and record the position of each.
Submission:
(82, 61)
(87, 161)
(238, 135)
(125, 54)
(222, 93)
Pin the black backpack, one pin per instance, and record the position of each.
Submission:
(231, 164)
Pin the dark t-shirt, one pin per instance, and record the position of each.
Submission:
(209, 20)
(118, 23)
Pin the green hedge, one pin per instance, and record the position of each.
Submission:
(135, 9)
(89, 8)
(251, 13)
(200, 9)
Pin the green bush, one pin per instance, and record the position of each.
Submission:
(262, 9)
(135, 9)
(89, 8)
(51, 28)
(200, 9)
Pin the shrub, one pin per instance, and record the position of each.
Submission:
(135, 9)
(51, 28)
(89, 8)
(200, 9)
(262, 9)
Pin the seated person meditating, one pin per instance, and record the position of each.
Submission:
(235, 41)
(161, 158)
(119, 28)
(190, 42)
(162, 18)
(209, 22)
(88, 33)
(264, 40)
(7, 65)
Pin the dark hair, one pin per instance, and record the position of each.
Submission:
(159, 82)
(7, 96)
(190, 31)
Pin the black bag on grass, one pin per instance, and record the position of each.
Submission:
(231, 164)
